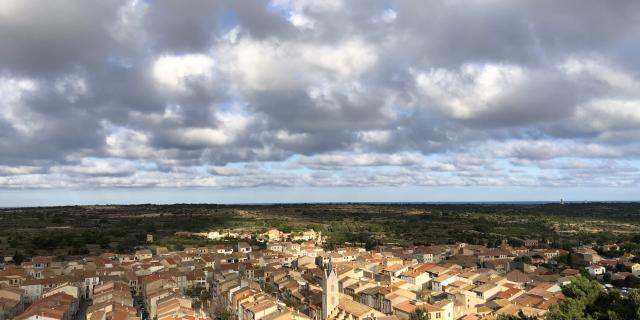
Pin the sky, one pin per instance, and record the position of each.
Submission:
(253, 101)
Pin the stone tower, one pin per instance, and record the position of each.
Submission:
(330, 293)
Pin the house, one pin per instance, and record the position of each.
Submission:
(222, 249)
(487, 291)
(353, 310)
(519, 278)
(258, 310)
(427, 254)
(635, 269)
(551, 254)
(10, 302)
(66, 288)
(214, 235)
(32, 290)
(417, 278)
(13, 277)
(587, 256)
(275, 246)
(174, 307)
(91, 280)
(243, 247)
(59, 306)
(442, 310)
(144, 254)
(440, 283)
(596, 270)
(112, 300)
(273, 234)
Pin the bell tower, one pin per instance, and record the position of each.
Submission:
(330, 294)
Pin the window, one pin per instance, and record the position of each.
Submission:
(438, 315)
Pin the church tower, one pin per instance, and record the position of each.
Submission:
(330, 293)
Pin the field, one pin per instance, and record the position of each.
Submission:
(76, 230)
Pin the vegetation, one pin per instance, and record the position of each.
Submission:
(78, 230)
(223, 314)
(520, 316)
(419, 314)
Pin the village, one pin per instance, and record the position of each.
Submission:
(291, 276)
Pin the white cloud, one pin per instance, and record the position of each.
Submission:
(291, 138)
(376, 137)
(301, 21)
(317, 93)
(545, 149)
(18, 170)
(314, 6)
(200, 137)
(178, 72)
(71, 87)
(231, 125)
(362, 160)
(97, 167)
(257, 65)
(127, 143)
(349, 59)
(473, 89)
(588, 69)
(14, 110)
(602, 115)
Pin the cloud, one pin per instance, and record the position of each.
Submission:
(231, 94)
(177, 73)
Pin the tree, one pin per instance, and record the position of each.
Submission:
(519, 316)
(223, 315)
(634, 297)
(18, 258)
(418, 314)
(371, 244)
(587, 300)
(632, 281)
(524, 259)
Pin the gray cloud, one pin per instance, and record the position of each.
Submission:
(318, 93)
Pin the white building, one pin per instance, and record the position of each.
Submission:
(596, 270)
(439, 284)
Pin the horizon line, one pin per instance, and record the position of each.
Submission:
(522, 202)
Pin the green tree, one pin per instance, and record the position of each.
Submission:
(18, 258)
(634, 298)
(519, 316)
(223, 315)
(587, 300)
(419, 314)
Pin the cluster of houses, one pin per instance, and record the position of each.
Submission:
(447, 282)
(270, 235)
(294, 278)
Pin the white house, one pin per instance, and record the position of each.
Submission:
(596, 270)
(440, 283)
